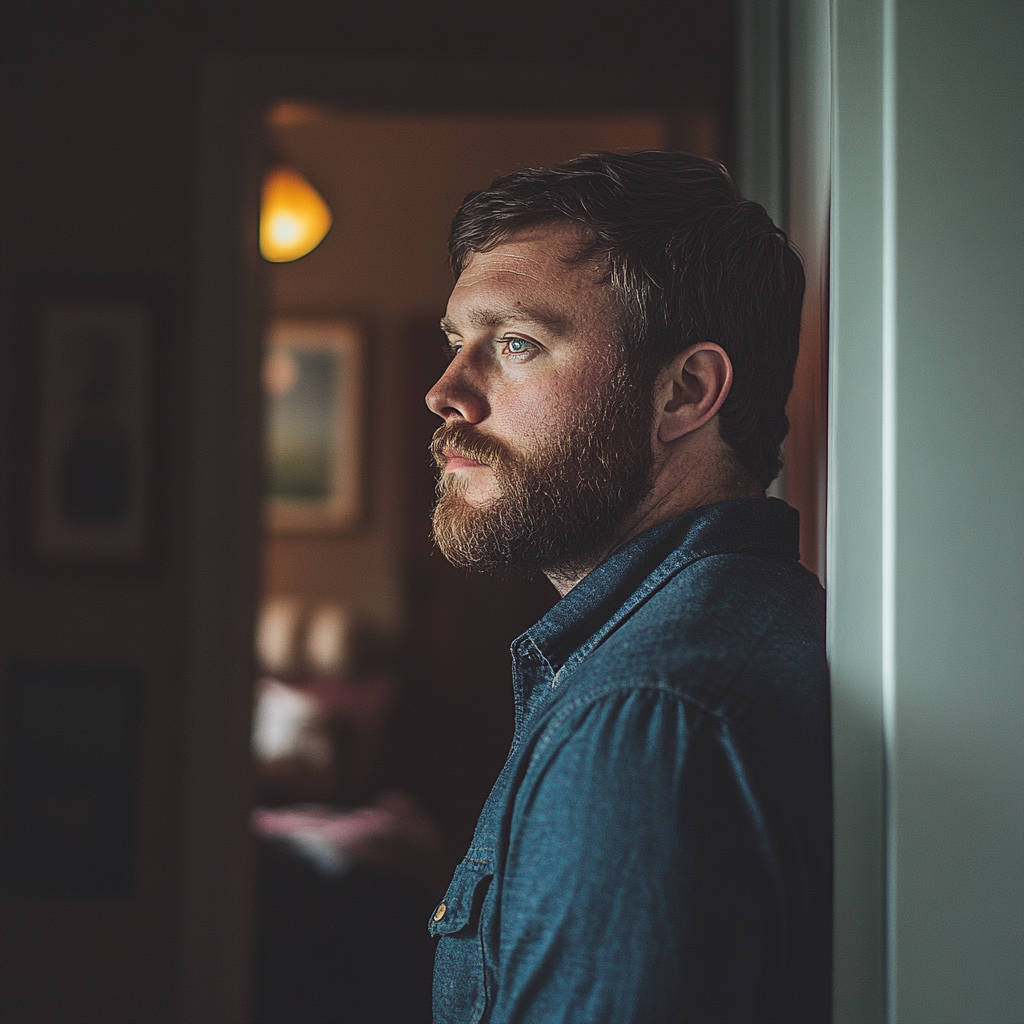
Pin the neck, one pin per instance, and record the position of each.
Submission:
(673, 494)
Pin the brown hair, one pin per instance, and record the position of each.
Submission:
(688, 260)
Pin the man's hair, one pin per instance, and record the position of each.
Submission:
(688, 260)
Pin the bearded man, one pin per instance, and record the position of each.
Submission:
(623, 332)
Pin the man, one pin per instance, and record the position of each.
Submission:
(657, 848)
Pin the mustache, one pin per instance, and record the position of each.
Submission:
(463, 439)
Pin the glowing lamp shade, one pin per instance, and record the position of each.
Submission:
(293, 216)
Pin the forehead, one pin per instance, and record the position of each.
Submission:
(533, 268)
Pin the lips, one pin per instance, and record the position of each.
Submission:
(454, 459)
(454, 446)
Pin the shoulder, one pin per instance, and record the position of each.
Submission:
(729, 633)
(731, 644)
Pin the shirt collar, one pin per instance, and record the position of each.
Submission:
(595, 606)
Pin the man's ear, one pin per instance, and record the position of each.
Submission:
(691, 390)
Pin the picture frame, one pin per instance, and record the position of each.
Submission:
(91, 422)
(313, 414)
(70, 779)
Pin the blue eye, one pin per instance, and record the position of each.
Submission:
(518, 345)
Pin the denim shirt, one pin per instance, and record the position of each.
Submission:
(658, 846)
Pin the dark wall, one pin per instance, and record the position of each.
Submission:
(98, 184)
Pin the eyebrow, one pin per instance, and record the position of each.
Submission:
(501, 316)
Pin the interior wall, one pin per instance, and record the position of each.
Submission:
(926, 538)
(956, 782)
(95, 171)
(393, 182)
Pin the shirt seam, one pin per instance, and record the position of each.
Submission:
(625, 687)
(593, 697)
(655, 581)
(581, 653)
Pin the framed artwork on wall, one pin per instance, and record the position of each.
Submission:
(90, 477)
(313, 390)
(70, 779)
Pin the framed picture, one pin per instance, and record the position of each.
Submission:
(313, 381)
(70, 774)
(91, 469)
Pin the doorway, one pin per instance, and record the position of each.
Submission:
(388, 565)
(396, 729)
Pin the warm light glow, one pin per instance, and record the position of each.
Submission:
(293, 216)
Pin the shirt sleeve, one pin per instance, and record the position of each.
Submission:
(640, 884)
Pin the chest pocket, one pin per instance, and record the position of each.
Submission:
(460, 969)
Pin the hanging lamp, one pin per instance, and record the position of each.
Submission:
(293, 216)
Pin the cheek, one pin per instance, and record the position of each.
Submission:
(521, 411)
(529, 411)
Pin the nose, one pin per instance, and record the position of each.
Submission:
(458, 395)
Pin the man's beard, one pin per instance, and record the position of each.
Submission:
(562, 504)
